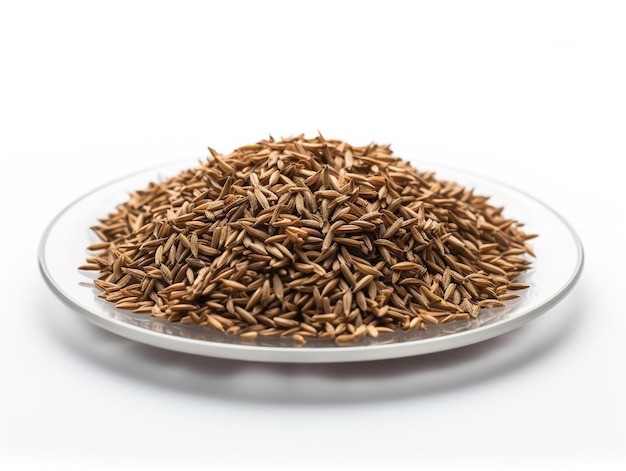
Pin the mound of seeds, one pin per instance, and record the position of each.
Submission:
(308, 238)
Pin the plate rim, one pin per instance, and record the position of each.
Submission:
(304, 354)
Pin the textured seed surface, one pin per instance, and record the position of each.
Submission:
(305, 238)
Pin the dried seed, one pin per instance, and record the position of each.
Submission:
(363, 282)
(234, 285)
(406, 266)
(250, 335)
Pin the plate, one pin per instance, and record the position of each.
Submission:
(557, 267)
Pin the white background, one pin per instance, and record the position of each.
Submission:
(530, 93)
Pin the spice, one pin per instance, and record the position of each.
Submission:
(308, 238)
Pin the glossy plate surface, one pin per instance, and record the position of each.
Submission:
(555, 271)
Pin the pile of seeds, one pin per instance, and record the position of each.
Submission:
(308, 238)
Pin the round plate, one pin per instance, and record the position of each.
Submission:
(555, 271)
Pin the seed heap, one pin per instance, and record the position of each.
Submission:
(308, 238)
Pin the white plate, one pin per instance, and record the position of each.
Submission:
(555, 271)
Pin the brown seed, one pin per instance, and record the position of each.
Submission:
(363, 282)
(516, 286)
(250, 335)
(405, 266)
(372, 331)
(234, 285)
(344, 339)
